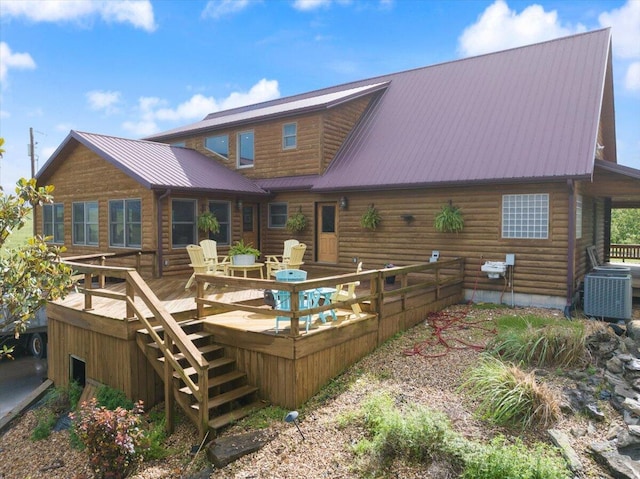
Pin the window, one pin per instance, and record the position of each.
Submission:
(525, 216)
(183, 222)
(85, 223)
(53, 222)
(221, 210)
(278, 213)
(578, 216)
(125, 223)
(179, 143)
(289, 136)
(218, 145)
(245, 149)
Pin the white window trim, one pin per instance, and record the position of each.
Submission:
(195, 222)
(85, 223)
(579, 206)
(527, 230)
(286, 214)
(124, 205)
(239, 145)
(295, 136)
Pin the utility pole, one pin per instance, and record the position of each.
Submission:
(32, 153)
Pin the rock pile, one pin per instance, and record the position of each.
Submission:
(617, 351)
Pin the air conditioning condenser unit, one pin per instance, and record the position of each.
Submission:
(607, 295)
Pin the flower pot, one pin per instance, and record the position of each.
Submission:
(243, 259)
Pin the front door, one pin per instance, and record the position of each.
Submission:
(327, 233)
(250, 225)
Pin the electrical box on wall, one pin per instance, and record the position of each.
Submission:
(510, 259)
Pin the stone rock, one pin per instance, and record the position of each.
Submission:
(614, 431)
(626, 439)
(561, 440)
(632, 406)
(614, 365)
(634, 430)
(592, 411)
(635, 384)
(633, 365)
(225, 450)
(633, 329)
(625, 358)
(621, 465)
(626, 392)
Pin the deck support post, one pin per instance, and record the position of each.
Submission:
(131, 293)
(295, 308)
(169, 401)
(199, 294)
(88, 306)
(203, 386)
(101, 277)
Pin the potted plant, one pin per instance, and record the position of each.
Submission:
(371, 218)
(449, 219)
(243, 254)
(390, 279)
(208, 223)
(297, 222)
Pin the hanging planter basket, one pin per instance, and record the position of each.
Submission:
(297, 222)
(449, 219)
(371, 218)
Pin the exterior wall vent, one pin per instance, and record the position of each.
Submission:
(607, 295)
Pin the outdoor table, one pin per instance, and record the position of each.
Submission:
(325, 294)
(244, 268)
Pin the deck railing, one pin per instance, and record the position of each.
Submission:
(624, 251)
(174, 337)
(412, 280)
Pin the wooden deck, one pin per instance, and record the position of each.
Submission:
(100, 326)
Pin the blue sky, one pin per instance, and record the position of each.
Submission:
(132, 68)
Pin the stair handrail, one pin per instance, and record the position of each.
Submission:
(172, 330)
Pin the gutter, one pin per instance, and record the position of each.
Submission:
(571, 248)
(159, 227)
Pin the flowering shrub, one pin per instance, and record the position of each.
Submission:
(114, 439)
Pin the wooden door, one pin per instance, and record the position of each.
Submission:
(327, 226)
(250, 225)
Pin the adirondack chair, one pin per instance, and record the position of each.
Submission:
(199, 265)
(275, 261)
(347, 291)
(217, 263)
(306, 300)
(294, 261)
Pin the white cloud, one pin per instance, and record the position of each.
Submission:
(499, 28)
(306, 5)
(153, 110)
(4, 114)
(632, 78)
(104, 100)
(10, 60)
(625, 23)
(138, 13)
(220, 8)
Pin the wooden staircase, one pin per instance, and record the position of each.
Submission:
(228, 396)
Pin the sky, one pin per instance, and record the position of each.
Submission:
(133, 68)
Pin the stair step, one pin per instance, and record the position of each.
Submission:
(216, 363)
(219, 380)
(209, 348)
(227, 397)
(230, 417)
(192, 336)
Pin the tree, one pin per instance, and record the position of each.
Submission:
(625, 226)
(32, 274)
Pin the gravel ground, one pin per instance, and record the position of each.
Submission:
(326, 450)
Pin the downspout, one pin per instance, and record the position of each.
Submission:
(159, 228)
(571, 248)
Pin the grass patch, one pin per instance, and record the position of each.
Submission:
(421, 436)
(509, 396)
(19, 237)
(541, 342)
(263, 418)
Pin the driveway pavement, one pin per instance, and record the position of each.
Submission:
(18, 378)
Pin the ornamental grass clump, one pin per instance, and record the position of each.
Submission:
(114, 439)
(548, 343)
(508, 396)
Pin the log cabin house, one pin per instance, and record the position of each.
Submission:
(522, 141)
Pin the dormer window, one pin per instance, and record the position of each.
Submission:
(289, 136)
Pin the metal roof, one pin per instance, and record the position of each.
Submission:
(288, 183)
(525, 113)
(262, 111)
(157, 165)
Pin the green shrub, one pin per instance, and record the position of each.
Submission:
(509, 396)
(46, 420)
(539, 342)
(112, 398)
(75, 392)
(500, 460)
(114, 439)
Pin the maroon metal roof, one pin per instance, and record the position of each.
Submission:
(288, 183)
(525, 113)
(158, 165)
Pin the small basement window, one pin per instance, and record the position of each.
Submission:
(78, 371)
